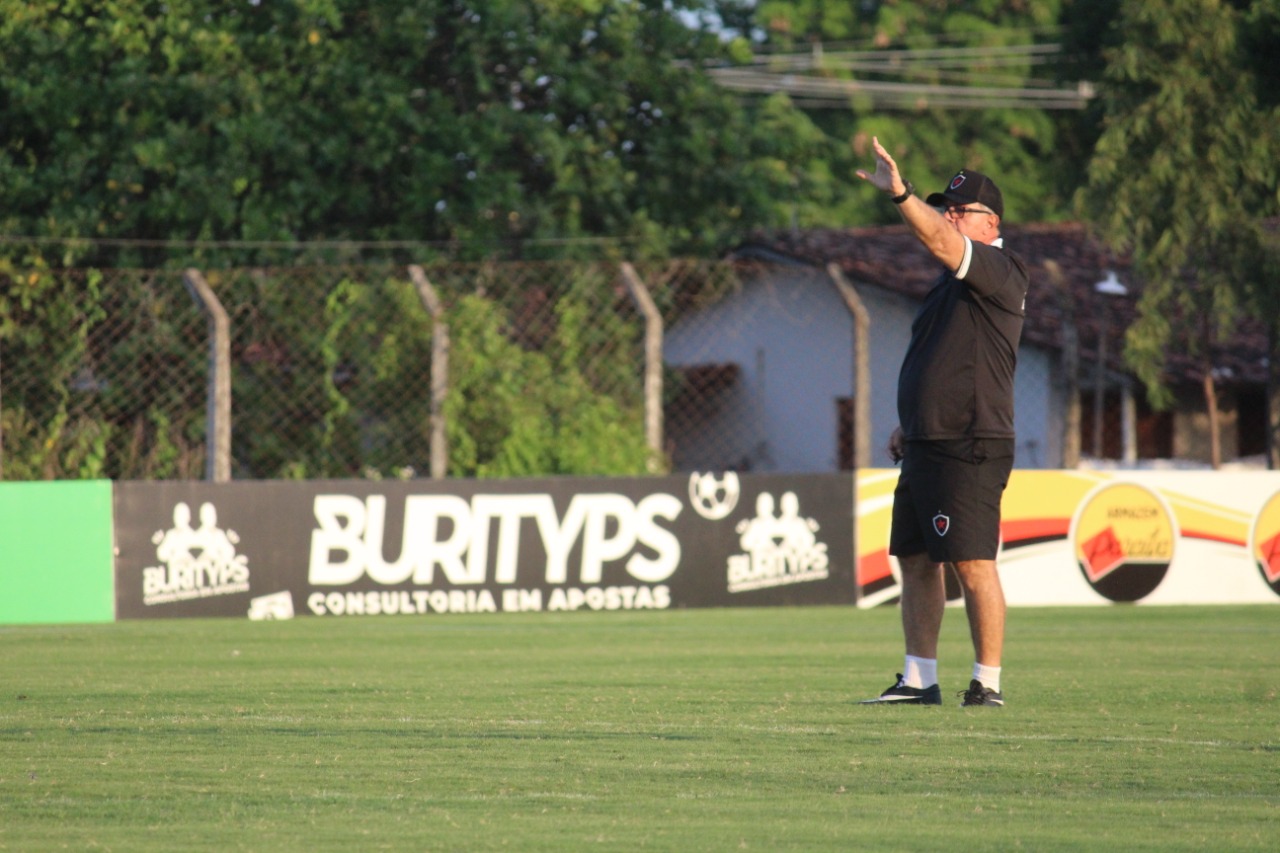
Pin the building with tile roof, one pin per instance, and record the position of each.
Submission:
(776, 358)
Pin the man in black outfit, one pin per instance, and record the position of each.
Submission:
(955, 436)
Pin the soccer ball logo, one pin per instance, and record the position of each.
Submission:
(714, 498)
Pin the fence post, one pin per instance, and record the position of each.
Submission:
(861, 366)
(652, 362)
(1062, 297)
(439, 370)
(218, 412)
(1071, 375)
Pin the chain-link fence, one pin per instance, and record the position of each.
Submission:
(102, 374)
(490, 370)
(112, 373)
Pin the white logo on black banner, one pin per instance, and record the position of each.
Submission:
(456, 536)
(714, 498)
(196, 562)
(780, 549)
(277, 605)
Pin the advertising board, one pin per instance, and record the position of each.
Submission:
(281, 549)
(1101, 537)
(55, 552)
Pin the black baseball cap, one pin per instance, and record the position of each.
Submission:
(970, 187)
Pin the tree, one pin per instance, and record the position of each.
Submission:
(486, 128)
(933, 137)
(1181, 177)
(516, 412)
(1261, 39)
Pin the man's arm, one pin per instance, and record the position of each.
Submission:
(937, 235)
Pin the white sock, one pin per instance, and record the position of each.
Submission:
(920, 672)
(988, 676)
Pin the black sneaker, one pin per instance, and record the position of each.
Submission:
(979, 695)
(901, 694)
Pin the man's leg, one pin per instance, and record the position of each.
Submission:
(923, 600)
(985, 607)
(924, 597)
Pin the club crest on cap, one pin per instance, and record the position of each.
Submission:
(968, 187)
(941, 524)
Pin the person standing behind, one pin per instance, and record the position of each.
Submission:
(955, 437)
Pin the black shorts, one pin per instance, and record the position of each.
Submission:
(947, 502)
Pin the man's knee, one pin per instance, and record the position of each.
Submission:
(918, 565)
(975, 572)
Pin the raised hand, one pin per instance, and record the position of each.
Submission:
(886, 177)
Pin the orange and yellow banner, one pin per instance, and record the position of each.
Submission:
(1094, 537)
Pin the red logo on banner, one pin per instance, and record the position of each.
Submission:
(1271, 559)
(1103, 554)
(1265, 542)
(1125, 536)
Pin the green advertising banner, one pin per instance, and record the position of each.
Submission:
(56, 552)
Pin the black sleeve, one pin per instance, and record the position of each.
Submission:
(999, 277)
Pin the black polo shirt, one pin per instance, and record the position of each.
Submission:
(957, 377)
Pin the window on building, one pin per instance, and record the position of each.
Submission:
(1251, 421)
(1153, 431)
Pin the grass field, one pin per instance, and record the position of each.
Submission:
(1127, 728)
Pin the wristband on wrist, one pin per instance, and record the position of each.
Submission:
(906, 193)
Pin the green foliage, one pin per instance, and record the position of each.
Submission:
(1184, 170)
(330, 377)
(518, 126)
(488, 128)
(490, 423)
(1023, 149)
(515, 412)
(75, 349)
(46, 434)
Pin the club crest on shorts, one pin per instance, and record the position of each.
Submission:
(941, 524)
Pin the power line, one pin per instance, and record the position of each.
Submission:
(907, 95)
(1040, 35)
(822, 56)
(954, 78)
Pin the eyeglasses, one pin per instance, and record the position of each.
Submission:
(959, 212)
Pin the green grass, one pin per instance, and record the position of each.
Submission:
(1128, 728)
